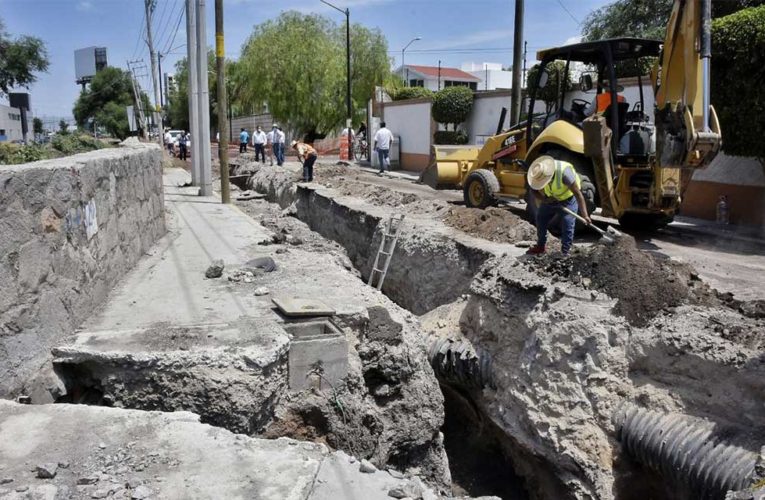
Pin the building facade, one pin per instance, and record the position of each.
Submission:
(10, 124)
(492, 75)
(435, 78)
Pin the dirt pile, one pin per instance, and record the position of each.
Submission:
(493, 224)
(643, 284)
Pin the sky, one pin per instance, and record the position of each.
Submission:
(453, 31)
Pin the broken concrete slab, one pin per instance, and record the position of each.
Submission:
(297, 306)
(164, 455)
(238, 376)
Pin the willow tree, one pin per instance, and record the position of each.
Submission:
(296, 65)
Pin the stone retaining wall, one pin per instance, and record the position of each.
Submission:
(69, 230)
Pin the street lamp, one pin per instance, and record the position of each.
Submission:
(402, 57)
(349, 121)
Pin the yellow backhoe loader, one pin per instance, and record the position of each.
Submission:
(633, 165)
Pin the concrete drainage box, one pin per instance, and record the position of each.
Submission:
(318, 354)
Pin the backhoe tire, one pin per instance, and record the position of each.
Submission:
(644, 222)
(481, 188)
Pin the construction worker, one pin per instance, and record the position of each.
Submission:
(602, 101)
(244, 138)
(259, 143)
(555, 184)
(307, 156)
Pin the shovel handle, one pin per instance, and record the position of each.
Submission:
(596, 228)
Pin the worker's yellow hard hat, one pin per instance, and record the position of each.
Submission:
(541, 172)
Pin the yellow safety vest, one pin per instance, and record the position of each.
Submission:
(556, 188)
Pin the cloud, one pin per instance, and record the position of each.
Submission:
(572, 39)
(468, 40)
(84, 5)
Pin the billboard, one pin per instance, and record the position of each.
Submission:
(89, 61)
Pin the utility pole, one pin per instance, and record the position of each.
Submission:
(403, 54)
(149, 6)
(525, 52)
(203, 134)
(220, 64)
(515, 102)
(191, 57)
(439, 74)
(137, 98)
(161, 94)
(349, 119)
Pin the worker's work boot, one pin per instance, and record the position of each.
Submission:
(535, 250)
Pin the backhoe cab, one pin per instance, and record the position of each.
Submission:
(635, 153)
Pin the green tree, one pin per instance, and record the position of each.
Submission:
(452, 105)
(295, 65)
(20, 59)
(556, 80)
(738, 43)
(37, 126)
(645, 18)
(104, 102)
(63, 127)
(177, 109)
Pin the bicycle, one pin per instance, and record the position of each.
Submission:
(361, 149)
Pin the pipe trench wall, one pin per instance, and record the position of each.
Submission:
(429, 268)
(69, 230)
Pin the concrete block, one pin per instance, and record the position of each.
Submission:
(294, 306)
(316, 347)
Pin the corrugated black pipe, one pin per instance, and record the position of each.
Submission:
(458, 362)
(686, 450)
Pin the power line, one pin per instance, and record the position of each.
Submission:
(140, 36)
(577, 21)
(164, 23)
(169, 47)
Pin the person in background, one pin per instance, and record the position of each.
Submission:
(270, 145)
(347, 131)
(383, 141)
(244, 138)
(279, 138)
(183, 145)
(555, 184)
(307, 156)
(259, 143)
(169, 143)
(362, 132)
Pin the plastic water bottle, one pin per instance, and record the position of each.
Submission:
(723, 216)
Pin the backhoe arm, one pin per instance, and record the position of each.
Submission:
(688, 131)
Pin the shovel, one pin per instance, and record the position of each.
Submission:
(607, 236)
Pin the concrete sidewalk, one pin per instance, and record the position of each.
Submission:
(170, 339)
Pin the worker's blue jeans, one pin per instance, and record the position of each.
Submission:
(383, 157)
(279, 152)
(545, 214)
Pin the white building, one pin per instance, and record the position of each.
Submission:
(435, 78)
(492, 75)
(10, 124)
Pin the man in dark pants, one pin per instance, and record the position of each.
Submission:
(307, 156)
(244, 138)
(259, 142)
(555, 184)
(183, 145)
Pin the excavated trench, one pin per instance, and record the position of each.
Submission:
(492, 451)
(492, 438)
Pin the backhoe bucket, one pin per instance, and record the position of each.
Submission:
(448, 166)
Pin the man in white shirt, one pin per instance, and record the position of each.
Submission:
(259, 143)
(279, 138)
(169, 143)
(383, 141)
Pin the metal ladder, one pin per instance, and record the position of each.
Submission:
(389, 233)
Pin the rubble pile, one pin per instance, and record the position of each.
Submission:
(493, 224)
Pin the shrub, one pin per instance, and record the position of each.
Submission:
(738, 43)
(405, 93)
(450, 137)
(452, 105)
(70, 144)
(12, 154)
